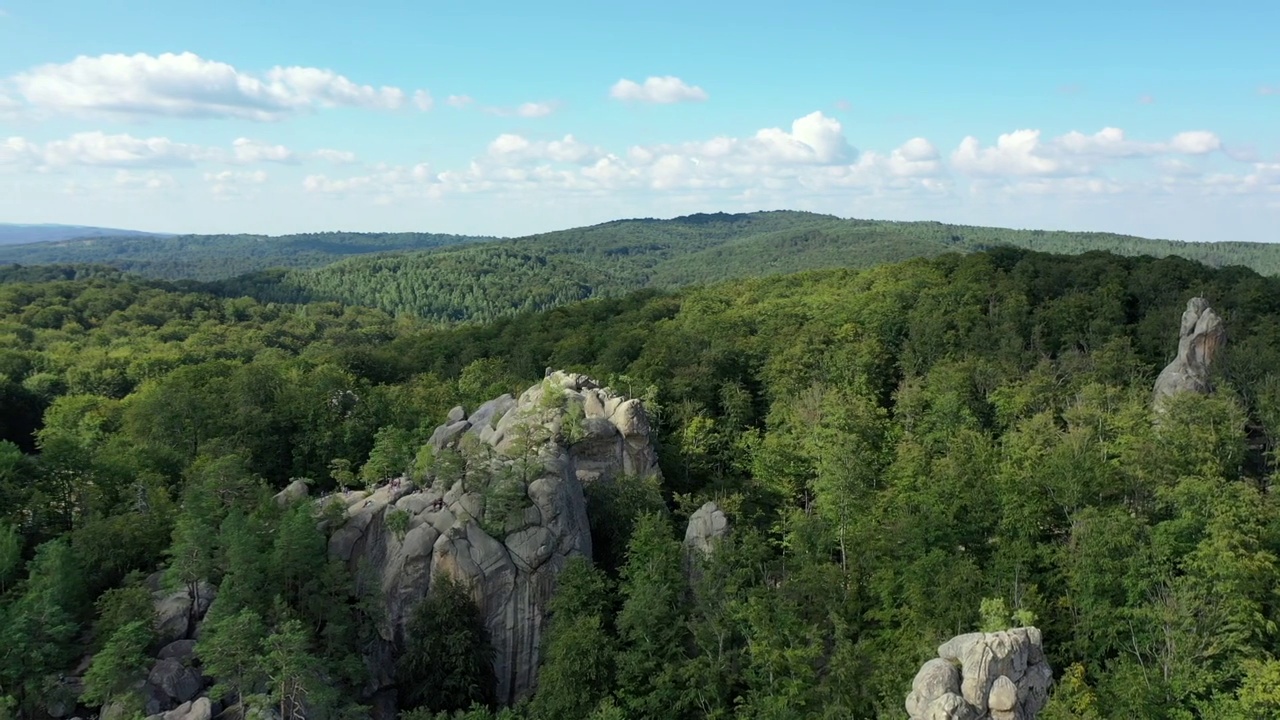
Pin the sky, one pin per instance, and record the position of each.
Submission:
(506, 118)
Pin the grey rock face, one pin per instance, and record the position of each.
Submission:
(1200, 337)
(505, 524)
(177, 612)
(179, 682)
(706, 526)
(1001, 676)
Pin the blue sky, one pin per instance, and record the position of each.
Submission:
(1160, 119)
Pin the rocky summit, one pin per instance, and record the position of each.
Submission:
(1201, 336)
(501, 510)
(980, 676)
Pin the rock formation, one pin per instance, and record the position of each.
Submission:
(1000, 676)
(502, 510)
(706, 526)
(1200, 337)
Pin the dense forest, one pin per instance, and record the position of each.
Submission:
(215, 257)
(543, 271)
(905, 452)
(431, 277)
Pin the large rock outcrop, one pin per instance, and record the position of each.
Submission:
(707, 525)
(1200, 337)
(501, 511)
(1000, 676)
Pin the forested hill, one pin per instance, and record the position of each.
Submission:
(541, 271)
(212, 257)
(16, 233)
(904, 453)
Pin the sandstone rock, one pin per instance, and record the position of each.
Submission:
(177, 612)
(294, 492)
(198, 709)
(706, 526)
(1002, 676)
(543, 519)
(184, 651)
(1201, 335)
(935, 679)
(446, 434)
(457, 414)
(948, 706)
(179, 682)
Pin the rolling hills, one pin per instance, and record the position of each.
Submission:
(490, 280)
(213, 257)
(18, 233)
(452, 278)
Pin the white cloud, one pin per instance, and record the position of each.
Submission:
(459, 101)
(17, 150)
(535, 109)
(510, 149)
(232, 183)
(187, 85)
(1021, 153)
(251, 151)
(1017, 153)
(1196, 142)
(143, 181)
(813, 138)
(659, 90)
(97, 148)
(339, 157)
(423, 100)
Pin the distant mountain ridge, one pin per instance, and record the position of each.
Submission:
(21, 233)
(481, 282)
(456, 278)
(215, 257)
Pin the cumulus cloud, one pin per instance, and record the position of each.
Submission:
(813, 138)
(423, 100)
(1017, 153)
(143, 181)
(187, 85)
(509, 149)
(251, 151)
(97, 148)
(339, 157)
(657, 90)
(1021, 153)
(459, 101)
(813, 155)
(232, 183)
(1196, 142)
(535, 109)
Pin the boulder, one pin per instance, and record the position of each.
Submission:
(184, 651)
(179, 682)
(457, 414)
(505, 533)
(295, 491)
(178, 612)
(706, 526)
(1201, 335)
(937, 678)
(1002, 676)
(198, 709)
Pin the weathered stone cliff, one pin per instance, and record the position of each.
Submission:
(1200, 337)
(501, 510)
(1000, 676)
